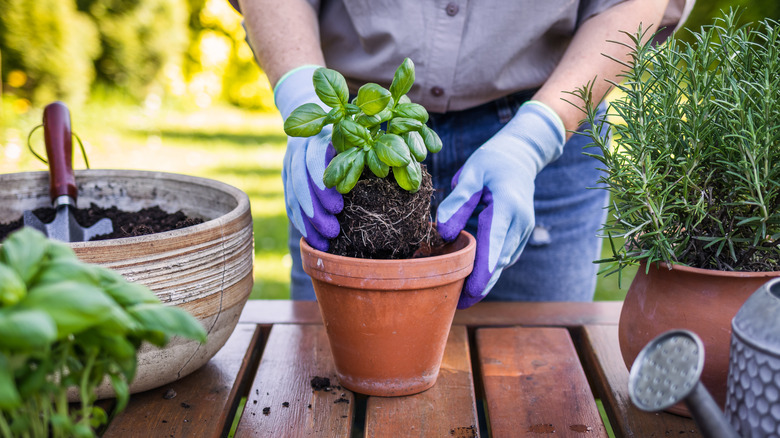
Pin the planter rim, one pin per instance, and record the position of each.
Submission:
(714, 272)
(471, 242)
(242, 201)
(391, 274)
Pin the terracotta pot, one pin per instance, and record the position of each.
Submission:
(700, 300)
(205, 269)
(388, 320)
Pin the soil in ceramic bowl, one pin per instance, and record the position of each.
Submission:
(126, 224)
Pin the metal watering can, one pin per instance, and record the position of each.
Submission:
(667, 372)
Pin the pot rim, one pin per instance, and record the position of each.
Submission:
(470, 242)
(713, 272)
(393, 274)
(241, 208)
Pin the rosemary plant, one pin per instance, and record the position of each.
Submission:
(694, 165)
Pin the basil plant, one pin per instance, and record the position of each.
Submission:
(68, 325)
(379, 128)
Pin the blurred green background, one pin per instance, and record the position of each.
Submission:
(171, 85)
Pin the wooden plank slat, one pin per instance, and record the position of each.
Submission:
(607, 369)
(267, 312)
(534, 384)
(446, 409)
(201, 404)
(281, 401)
(552, 314)
(489, 314)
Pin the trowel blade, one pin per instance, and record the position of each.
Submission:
(65, 228)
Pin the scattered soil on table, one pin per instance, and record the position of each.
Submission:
(320, 383)
(380, 220)
(126, 224)
(464, 432)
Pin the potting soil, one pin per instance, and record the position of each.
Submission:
(126, 224)
(380, 220)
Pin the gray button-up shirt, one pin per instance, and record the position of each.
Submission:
(466, 52)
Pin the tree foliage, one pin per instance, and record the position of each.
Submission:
(137, 40)
(52, 43)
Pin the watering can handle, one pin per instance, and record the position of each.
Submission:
(59, 149)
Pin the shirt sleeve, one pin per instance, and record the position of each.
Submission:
(674, 17)
(589, 8)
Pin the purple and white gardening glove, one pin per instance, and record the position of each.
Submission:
(310, 205)
(500, 175)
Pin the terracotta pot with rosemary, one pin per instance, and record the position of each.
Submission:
(387, 287)
(693, 172)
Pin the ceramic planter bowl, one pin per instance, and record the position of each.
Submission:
(388, 320)
(205, 269)
(700, 300)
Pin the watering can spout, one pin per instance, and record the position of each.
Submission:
(667, 372)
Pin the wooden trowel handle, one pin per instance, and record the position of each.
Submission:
(59, 149)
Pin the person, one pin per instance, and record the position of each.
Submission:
(494, 75)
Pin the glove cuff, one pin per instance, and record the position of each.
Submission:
(554, 117)
(541, 129)
(295, 88)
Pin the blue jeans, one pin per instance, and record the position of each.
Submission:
(557, 263)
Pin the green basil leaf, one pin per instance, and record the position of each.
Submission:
(79, 430)
(409, 177)
(337, 138)
(338, 167)
(331, 87)
(412, 111)
(400, 125)
(122, 390)
(392, 150)
(372, 98)
(12, 288)
(403, 79)
(305, 121)
(334, 116)
(122, 291)
(99, 417)
(56, 251)
(404, 99)
(63, 269)
(73, 306)
(23, 251)
(353, 174)
(369, 121)
(170, 320)
(352, 109)
(26, 329)
(9, 395)
(416, 145)
(375, 120)
(354, 133)
(376, 165)
(431, 139)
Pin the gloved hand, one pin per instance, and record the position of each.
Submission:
(310, 205)
(500, 175)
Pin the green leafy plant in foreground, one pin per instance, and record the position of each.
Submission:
(67, 324)
(379, 128)
(694, 169)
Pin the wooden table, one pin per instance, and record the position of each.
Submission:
(509, 370)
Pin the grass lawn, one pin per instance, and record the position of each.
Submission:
(241, 148)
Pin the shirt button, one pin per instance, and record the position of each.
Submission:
(452, 9)
(437, 91)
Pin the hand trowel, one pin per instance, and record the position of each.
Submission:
(62, 182)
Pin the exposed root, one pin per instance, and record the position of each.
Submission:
(380, 220)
